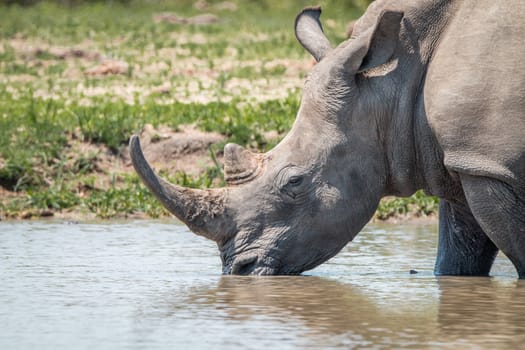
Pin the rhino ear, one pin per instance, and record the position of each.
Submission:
(309, 32)
(376, 46)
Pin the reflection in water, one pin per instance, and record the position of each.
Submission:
(154, 285)
(487, 311)
(469, 312)
(329, 312)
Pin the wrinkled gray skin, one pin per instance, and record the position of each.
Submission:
(425, 95)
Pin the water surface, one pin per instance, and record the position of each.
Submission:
(154, 285)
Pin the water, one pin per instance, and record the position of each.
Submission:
(153, 285)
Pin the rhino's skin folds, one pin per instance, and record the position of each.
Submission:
(424, 95)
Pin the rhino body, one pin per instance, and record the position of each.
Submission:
(424, 95)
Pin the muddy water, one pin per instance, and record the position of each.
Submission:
(153, 285)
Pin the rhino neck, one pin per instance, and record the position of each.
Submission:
(413, 155)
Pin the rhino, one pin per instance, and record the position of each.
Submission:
(426, 94)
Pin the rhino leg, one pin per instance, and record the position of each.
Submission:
(500, 210)
(463, 248)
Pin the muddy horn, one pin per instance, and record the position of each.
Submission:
(202, 210)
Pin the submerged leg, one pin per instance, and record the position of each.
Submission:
(500, 211)
(463, 247)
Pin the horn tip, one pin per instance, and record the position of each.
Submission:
(136, 155)
(133, 140)
(134, 145)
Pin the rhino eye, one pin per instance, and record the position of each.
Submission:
(291, 180)
(295, 180)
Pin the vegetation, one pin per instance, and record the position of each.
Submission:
(93, 73)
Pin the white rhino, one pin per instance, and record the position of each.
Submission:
(426, 94)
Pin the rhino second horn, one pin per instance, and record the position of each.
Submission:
(240, 165)
(203, 211)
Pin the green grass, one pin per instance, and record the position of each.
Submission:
(419, 204)
(33, 131)
(220, 77)
(36, 133)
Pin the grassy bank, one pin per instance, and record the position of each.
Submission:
(80, 79)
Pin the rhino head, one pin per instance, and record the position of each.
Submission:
(296, 206)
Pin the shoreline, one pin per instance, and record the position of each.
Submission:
(82, 216)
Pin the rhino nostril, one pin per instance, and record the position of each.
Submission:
(244, 266)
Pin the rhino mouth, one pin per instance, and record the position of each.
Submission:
(244, 265)
(253, 264)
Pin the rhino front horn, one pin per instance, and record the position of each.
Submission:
(203, 211)
(240, 165)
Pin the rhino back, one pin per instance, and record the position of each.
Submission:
(474, 94)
